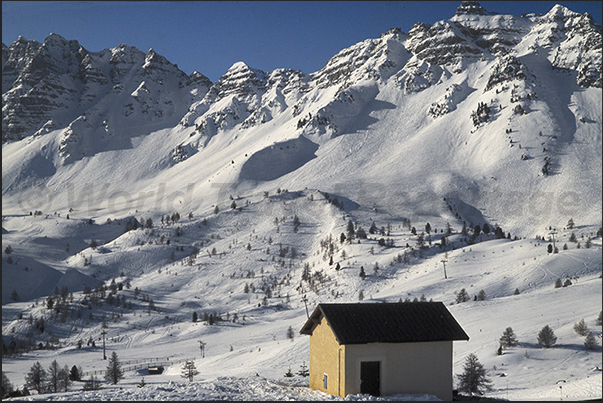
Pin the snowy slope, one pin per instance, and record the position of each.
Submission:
(481, 119)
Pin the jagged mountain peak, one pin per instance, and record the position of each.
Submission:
(196, 78)
(373, 59)
(239, 79)
(240, 70)
(240, 65)
(560, 12)
(470, 7)
(50, 85)
(152, 56)
(53, 38)
(126, 53)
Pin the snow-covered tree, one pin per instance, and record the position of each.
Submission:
(474, 378)
(581, 328)
(303, 370)
(189, 370)
(591, 341)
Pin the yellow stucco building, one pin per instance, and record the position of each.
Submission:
(382, 348)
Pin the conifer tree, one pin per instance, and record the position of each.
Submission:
(476, 230)
(64, 380)
(591, 341)
(75, 374)
(546, 337)
(7, 386)
(350, 230)
(36, 377)
(508, 338)
(114, 373)
(303, 370)
(474, 378)
(581, 328)
(462, 296)
(189, 370)
(362, 273)
(53, 376)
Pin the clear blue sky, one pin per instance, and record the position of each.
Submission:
(210, 36)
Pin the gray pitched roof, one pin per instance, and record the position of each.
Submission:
(406, 322)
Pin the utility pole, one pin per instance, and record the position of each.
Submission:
(444, 263)
(306, 304)
(104, 355)
(202, 348)
(553, 232)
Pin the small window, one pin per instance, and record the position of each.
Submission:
(325, 381)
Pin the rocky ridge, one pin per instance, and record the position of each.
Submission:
(60, 85)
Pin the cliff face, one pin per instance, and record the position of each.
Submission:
(54, 84)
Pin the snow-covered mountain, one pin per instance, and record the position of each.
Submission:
(482, 119)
